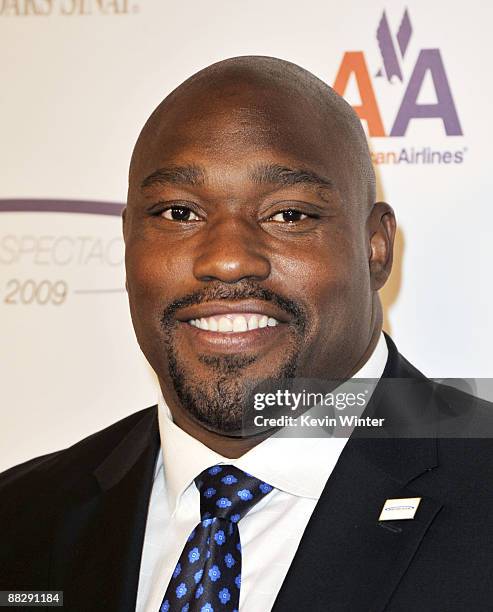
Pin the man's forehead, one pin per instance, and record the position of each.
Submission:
(229, 114)
(241, 114)
(262, 150)
(237, 125)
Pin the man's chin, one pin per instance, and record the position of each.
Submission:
(220, 406)
(218, 391)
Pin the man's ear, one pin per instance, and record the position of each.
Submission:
(124, 216)
(124, 225)
(382, 226)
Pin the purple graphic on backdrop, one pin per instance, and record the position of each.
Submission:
(65, 248)
(390, 58)
(404, 33)
(444, 108)
(387, 49)
(65, 206)
(395, 67)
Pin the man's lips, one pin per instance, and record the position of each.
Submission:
(234, 323)
(239, 324)
(234, 311)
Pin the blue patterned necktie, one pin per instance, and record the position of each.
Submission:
(207, 577)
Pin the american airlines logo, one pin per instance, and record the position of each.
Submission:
(399, 72)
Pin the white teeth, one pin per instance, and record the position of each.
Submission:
(253, 322)
(225, 325)
(240, 324)
(237, 323)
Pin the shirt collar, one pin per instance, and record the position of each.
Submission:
(299, 466)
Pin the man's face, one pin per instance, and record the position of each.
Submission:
(246, 256)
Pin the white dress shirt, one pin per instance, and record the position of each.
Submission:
(270, 533)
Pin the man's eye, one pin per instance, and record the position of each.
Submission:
(179, 213)
(288, 216)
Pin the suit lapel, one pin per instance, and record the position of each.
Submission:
(99, 537)
(347, 558)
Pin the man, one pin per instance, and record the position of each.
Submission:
(254, 252)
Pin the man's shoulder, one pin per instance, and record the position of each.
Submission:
(456, 393)
(465, 415)
(83, 456)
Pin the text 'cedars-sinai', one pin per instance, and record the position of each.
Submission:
(45, 8)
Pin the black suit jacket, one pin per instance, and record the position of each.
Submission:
(74, 520)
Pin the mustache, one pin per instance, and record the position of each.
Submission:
(242, 290)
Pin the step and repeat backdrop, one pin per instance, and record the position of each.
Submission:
(80, 77)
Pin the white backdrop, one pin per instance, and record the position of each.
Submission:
(79, 79)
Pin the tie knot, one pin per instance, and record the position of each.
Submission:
(228, 492)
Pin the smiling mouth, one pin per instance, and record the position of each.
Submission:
(233, 322)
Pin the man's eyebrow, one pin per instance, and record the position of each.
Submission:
(276, 174)
(177, 175)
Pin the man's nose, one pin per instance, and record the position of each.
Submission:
(231, 250)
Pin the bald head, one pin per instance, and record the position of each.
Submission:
(266, 102)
